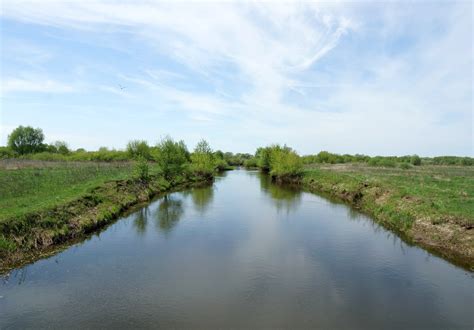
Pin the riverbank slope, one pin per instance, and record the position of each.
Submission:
(431, 206)
(47, 205)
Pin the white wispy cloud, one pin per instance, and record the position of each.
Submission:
(344, 76)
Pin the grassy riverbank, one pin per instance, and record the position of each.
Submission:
(432, 206)
(43, 204)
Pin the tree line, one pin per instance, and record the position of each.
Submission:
(279, 161)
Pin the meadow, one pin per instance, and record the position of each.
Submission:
(29, 186)
(429, 205)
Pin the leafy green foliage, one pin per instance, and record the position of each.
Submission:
(452, 160)
(202, 160)
(263, 156)
(142, 170)
(138, 149)
(281, 161)
(382, 161)
(285, 164)
(58, 147)
(26, 140)
(415, 160)
(237, 159)
(6, 153)
(172, 157)
(251, 163)
(405, 166)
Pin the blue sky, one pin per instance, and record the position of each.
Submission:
(388, 78)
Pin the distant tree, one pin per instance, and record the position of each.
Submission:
(172, 157)
(26, 140)
(61, 147)
(202, 159)
(219, 154)
(138, 148)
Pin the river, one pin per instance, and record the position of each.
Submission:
(241, 253)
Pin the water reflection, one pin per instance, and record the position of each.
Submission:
(284, 197)
(169, 212)
(141, 220)
(202, 197)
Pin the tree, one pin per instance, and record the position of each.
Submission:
(203, 159)
(171, 156)
(26, 140)
(61, 147)
(138, 148)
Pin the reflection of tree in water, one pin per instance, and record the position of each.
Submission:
(141, 221)
(201, 197)
(169, 213)
(284, 196)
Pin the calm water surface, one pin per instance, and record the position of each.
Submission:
(242, 253)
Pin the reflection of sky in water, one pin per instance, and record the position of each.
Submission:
(240, 253)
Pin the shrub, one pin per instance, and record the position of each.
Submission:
(202, 160)
(405, 166)
(285, 163)
(415, 160)
(467, 161)
(172, 157)
(137, 149)
(281, 161)
(262, 156)
(6, 152)
(382, 161)
(142, 169)
(221, 164)
(251, 163)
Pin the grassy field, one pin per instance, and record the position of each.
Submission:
(29, 186)
(46, 203)
(430, 205)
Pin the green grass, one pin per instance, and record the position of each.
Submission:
(438, 193)
(432, 206)
(42, 186)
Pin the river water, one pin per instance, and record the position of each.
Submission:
(242, 253)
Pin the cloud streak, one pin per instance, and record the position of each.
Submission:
(349, 77)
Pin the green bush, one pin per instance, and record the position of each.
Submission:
(415, 160)
(6, 152)
(251, 163)
(382, 161)
(405, 166)
(202, 160)
(172, 157)
(281, 161)
(142, 170)
(137, 149)
(221, 164)
(262, 156)
(285, 164)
